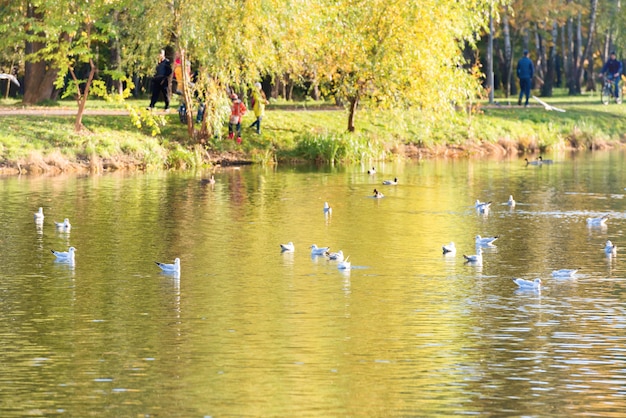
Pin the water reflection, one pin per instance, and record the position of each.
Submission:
(250, 330)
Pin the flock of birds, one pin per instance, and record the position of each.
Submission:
(482, 242)
(68, 257)
(342, 262)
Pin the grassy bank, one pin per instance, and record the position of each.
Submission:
(33, 142)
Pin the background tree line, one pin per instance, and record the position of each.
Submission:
(358, 52)
(568, 40)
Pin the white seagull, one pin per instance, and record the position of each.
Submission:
(600, 221)
(170, 268)
(210, 180)
(482, 207)
(336, 256)
(64, 256)
(511, 201)
(564, 272)
(449, 248)
(528, 284)
(327, 209)
(287, 247)
(377, 194)
(345, 264)
(609, 248)
(372, 171)
(486, 241)
(39, 216)
(315, 250)
(65, 225)
(391, 182)
(475, 258)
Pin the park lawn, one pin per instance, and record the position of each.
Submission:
(306, 131)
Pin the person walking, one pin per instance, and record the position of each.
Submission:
(259, 100)
(525, 72)
(612, 69)
(237, 111)
(160, 82)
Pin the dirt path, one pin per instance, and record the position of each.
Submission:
(43, 111)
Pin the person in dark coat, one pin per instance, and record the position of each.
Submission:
(525, 72)
(612, 69)
(160, 82)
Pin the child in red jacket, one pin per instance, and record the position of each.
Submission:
(236, 115)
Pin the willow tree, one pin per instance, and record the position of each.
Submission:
(397, 54)
(230, 44)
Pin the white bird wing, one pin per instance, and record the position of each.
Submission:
(11, 77)
(166, 267)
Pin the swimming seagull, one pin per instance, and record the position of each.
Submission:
(315, 250)
(345, 264)
(39, 216)
(449, 248)
(377, 194)
(65, 225)
(564, 272)
(327, 209)
(64, 256)
(601, 221)
(545, 161)
(474, 259)
(391, 182)
(486, 241)
(609, 248)
(170, 268)
(287, 247)
(336, 256)
(482, 207)
(528, 284)
(210, 180)
(372, 171)
(511, 201)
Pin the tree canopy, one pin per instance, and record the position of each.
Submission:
(377, 53)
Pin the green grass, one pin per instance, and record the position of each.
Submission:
(314, 131)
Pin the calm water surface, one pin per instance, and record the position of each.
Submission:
(248, 331)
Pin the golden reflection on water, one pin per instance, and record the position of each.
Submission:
(248, 330)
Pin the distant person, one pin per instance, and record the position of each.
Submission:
(525, 72)
(160, 82)
(612, 69)
(237, 111)
(258, 106)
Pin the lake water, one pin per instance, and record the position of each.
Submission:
(248, 331)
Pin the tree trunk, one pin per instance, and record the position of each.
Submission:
(116, 58)
(540, 65)
(39, 76)
(507, 75)
(82, 98)
(593, 12)
(572, 58)
(187, 93)
(564, 56)
(546, 90)
(354, 103)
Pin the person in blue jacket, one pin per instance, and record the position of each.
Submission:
(612, 69)
(525, 72)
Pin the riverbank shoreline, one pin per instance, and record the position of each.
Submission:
(42, 140)
(56, 165)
